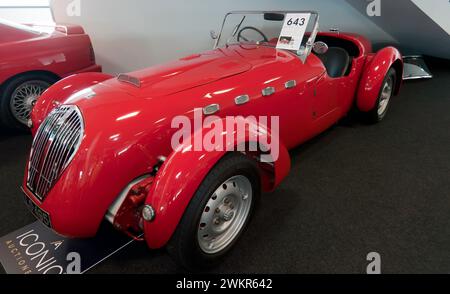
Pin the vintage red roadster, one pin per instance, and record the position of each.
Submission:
(102, 145)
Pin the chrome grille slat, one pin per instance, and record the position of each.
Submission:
(45, 148)
(37, 145)
(54, 146)
(59, 149)
(53, 137)
(36, 151)
(66, 138)
(56, 143)
(67, 153)
(43, 137)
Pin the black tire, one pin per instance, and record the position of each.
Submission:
(7, 119)
(184, 246)
(374, 116)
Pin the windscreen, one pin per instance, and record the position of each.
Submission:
(284, 30)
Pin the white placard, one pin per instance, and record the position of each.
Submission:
(293, 31)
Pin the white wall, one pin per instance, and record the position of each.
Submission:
(133, 34)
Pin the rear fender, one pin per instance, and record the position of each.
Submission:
(70, 29)
(60, 91)
(373, 76)
(182, 173)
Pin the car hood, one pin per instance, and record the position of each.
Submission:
(183, 74)
(176, 88)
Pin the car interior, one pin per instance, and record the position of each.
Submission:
(338, 59)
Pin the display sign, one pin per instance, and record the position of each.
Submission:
(36, 249)
(293, 31)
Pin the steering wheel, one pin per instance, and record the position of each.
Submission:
(239, 37)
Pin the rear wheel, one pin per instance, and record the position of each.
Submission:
(19, 96)
(378, 113)
(218, 213)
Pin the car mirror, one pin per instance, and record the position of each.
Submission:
(320, 48)
(213, 35)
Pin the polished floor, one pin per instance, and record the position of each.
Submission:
(355, 189)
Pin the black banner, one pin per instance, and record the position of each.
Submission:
(222, 283)
(36, 249)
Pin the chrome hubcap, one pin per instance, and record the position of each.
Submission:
(24, 98)
(225, 214)
(385, 98)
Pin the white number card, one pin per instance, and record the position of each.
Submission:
(293, 31)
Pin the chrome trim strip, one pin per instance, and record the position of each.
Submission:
(417, 77)
(239, 100)
(268, 91)
(211, 109)
(290, 84)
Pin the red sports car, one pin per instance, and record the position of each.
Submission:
(104, 146)
(32, 60)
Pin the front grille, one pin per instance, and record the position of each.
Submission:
(54, 146)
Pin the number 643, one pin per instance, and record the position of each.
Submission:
(297, 21)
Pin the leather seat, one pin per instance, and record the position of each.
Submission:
(336, 61)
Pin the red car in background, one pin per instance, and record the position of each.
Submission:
(32, 60)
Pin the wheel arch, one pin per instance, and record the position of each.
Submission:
(373, 75)
(181, 175)
(39, 72)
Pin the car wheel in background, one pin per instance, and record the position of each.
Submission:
(217, 214)
(19, 96)
(384, 98)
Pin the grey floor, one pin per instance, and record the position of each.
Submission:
(353, 190)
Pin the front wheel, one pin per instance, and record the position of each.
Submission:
(218, 213)
(378, 113)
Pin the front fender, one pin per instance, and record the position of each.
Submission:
(181, 175)
(373, 76)
(62, 90)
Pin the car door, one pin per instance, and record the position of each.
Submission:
(325, 104)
